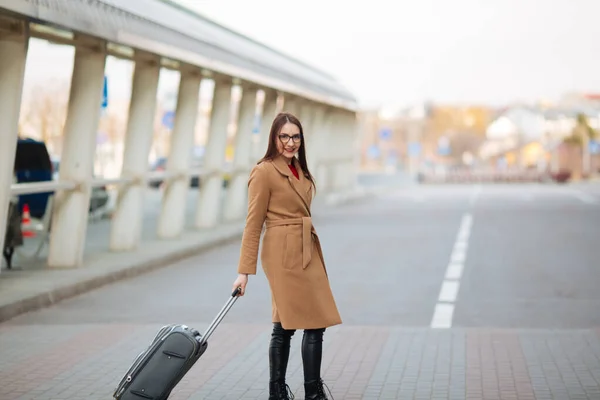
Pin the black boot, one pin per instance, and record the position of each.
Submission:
(315, 390)
(280, 391)
(279, 354)
(312, 353)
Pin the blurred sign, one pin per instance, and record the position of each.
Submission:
(105, 93)
(443, 146)
(168, 119)
(594, 147)
(373, 152)
(256, 128)
(392, 157)
(229, 151)
(414, 149)
(385, 133)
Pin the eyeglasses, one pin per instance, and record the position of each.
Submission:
(286, 138)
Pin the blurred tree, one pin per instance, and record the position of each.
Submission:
(464, 141)
(582, 133)
(43, 115)
(465, 127)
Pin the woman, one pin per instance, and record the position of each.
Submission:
(280, 192)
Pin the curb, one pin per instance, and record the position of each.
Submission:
(58, 294)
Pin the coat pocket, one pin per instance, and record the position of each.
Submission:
(292, 251)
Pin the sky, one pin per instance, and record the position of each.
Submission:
(448, 51)
(398, 53)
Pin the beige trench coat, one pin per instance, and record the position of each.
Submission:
(291, 253)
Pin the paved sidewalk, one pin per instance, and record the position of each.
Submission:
(71, 362)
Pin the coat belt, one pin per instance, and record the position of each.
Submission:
(307, 231)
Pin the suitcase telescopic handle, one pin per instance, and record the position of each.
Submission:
(215, 322)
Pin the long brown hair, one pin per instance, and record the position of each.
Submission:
(280, 120)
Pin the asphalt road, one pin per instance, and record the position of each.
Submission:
(454, 258)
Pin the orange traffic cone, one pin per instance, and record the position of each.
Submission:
(26, 222)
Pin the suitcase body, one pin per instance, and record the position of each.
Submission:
(173, 352)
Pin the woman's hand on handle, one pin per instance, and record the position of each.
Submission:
(241, 282)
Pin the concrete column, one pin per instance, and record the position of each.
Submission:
(329, 151)
(211, 187)
(279, 100)
(305, 115)
(291, 105)
(171, 222)
(236, 194)
(269, 111)
(341, 149)
(349, 166)
(314, 137)
(71, 208)
(336, 150)
(126, 227)
(324, 150)
(14, 42)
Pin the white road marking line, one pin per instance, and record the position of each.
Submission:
(458, 256)
(442, 316)
(467, 220)
(444, 309)
(449, 291)
(454, 271)
(463, 236)
(461, 245)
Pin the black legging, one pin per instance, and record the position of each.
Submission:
(279, 352)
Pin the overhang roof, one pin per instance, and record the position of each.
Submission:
(169, 30)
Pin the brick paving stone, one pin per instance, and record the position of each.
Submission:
(238, 378)
(360, 362)
(91, 364)
(228, 343)
(496, 366)
(563, 364)
(419, 364)
(39, 370)
(13, 341)
(362, 347)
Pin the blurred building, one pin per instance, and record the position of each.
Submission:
(542, 136)
(424, 135)
(392, 137)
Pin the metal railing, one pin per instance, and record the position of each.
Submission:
(152, 176)
(149, 177)
(42, 226)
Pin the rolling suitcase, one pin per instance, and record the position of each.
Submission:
(159, 368)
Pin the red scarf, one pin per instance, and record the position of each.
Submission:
(294, 170)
